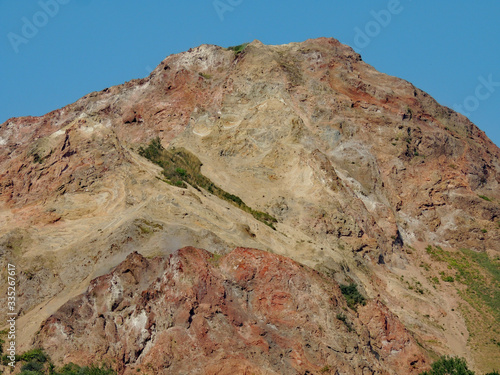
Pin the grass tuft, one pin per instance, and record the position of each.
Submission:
(484, 197)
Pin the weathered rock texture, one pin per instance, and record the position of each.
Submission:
(362, 171)
(248, 312)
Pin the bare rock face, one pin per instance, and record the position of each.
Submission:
(370, 179)
(247, 312)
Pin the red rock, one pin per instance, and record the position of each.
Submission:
(254, 312)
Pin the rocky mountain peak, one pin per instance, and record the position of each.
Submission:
(303, 151)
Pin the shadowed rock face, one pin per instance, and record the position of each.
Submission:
(247, 312)
(362, 171)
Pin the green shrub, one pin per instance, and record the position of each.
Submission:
(32, 366)
(448, 279)
(352, 295)
(72, 369)
(37, 355)
(36, 360)
(449, 366)
(153, 151)
(238, 49)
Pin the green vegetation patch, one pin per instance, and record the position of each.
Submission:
(205, 75)
(148, 227)
(37, 362)
(2, 341)
(479, 273)
(181, 167)
(352, 295)
(484, 197)
(448, 279)
(36, 355)
(238, 49)
(72, 369)
(451, 366)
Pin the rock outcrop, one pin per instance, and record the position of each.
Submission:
(247, 312)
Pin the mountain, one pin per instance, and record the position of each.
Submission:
(302, 151)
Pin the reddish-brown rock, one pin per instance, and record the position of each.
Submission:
(250, 312)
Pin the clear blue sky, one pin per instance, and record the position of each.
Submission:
(50, 57)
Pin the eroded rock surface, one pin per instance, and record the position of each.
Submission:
(247, 312)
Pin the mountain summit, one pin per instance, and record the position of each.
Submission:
(302, 151)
